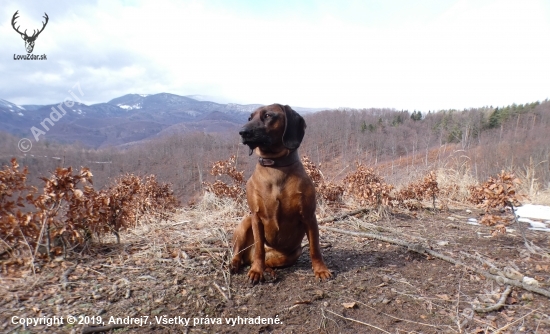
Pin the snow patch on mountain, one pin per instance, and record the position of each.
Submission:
(127, 107)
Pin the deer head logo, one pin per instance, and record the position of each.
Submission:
(29, 40)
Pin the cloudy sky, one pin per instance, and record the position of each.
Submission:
(422, 54)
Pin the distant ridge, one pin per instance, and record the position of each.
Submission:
(128, 119)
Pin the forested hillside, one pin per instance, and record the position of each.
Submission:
(399, 144)
(486, 140)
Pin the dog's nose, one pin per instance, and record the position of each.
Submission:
(245, 132)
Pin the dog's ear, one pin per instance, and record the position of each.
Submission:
(295, 128)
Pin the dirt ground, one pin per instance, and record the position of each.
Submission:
(176, 271)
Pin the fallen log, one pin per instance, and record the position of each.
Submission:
(419, 248)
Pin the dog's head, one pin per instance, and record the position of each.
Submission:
(273, 129)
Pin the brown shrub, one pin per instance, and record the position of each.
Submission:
(329, 191)
(425, 189)
(368, 187)
(16, 224)
(496, 193)
(69, 210)
(237, 188)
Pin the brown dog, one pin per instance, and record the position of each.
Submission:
(280, 195)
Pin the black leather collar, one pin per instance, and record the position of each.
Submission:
(285, 161)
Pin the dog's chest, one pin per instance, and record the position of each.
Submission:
(282, 221)
(278, 198)
(280, 207)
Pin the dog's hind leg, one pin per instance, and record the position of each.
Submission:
(277, 259)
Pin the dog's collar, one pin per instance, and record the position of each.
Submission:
(280, 162)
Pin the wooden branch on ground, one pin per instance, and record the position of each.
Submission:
(205, 249)
(220, 291)
(374, 236)
(343, 215)
(401, 319)
(418, 248)
(478, 257)
(498, 305)
(363, 224)
(377, 228)
(357, 321)
(505, 327)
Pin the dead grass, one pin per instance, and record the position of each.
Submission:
(220, 210)
(454, 184)
(541, 197)
(178, 267)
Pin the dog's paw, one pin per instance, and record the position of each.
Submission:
(271, 272)
(255, 276)
(322, 274)
(234, 267)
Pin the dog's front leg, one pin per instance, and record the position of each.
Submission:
(319, 268)
(256, 272)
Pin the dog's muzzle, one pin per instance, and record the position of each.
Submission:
(254, 137)
(246, 133)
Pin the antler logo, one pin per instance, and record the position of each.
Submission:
(29, 40)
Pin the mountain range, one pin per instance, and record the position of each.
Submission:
(124, 120)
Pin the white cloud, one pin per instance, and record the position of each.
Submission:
(468, 54)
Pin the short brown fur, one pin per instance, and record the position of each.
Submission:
(281, 199)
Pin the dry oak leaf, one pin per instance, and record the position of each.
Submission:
(349, 305)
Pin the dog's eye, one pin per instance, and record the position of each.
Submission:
(268, 115)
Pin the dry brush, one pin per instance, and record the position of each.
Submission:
(69, 212)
